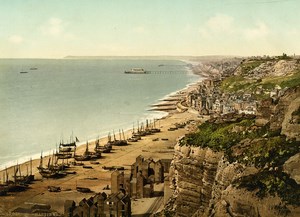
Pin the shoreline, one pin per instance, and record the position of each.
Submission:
(151, 110)
(97, 178)
(163, 148)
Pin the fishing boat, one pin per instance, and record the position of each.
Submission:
(111, 168)
(3, 190)
(136, 71)
(23, 72)
(13, 186)
(51, 171)
(101, 149)
(121, 141)
(83, 190)
(24, 179)
(85, 156)
(63, 155)
(54, 189)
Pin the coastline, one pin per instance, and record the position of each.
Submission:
(97, 178)
(162, 113)
(120, 156)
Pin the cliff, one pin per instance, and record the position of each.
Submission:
(202, 182)
(243, 165)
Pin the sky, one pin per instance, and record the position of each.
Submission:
(58, 28)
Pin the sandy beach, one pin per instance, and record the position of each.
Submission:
(96, 178)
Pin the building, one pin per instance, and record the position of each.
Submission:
(143, 175)
(101, 205)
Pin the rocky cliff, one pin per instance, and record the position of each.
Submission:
(242, 165)
(202, 183)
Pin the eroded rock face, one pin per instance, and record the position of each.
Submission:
(280, 113)
(202, 183)
(289, 104)
(291, 167)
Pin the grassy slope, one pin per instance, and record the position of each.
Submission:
(242, 84)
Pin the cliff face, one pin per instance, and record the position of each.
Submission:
(288, 106)
(241, 166)
(202, 183)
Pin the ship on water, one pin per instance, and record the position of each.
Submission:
(136, 71)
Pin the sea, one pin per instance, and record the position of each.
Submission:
(55, 100)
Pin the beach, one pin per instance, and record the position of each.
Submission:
(96, 178)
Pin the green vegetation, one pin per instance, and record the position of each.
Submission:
(243, 142)
(220, 137)
(236, 83)
(250, 65)
(291, 81)
(259, 87)
(273, 151)
(239, 83)
(284, 57)
(272, 182)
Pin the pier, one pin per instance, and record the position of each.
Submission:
(165, 72)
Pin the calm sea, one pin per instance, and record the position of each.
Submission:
(86, 98)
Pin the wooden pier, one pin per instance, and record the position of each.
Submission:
(166, 72)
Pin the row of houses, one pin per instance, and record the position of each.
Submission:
(138, 183)
(100, 205)
(208, 99)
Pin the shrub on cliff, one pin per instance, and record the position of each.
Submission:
(222, 136)
(273, 183)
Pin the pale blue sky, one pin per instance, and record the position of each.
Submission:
(57, 28)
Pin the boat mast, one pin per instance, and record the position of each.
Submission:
(123, 134)
(30, 166)
(114, 135)
(41, 160)
(6, 173)
(109, 137)
(87, 147)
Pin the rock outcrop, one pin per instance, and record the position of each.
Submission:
(291, 167)
(202, 179)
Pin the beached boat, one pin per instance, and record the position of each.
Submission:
(46, 173)
(87, 155)
(51, 171)
(82, 157)
(54, 189)
(136, 71)
(83, 190)
(121, 142)
(101, 149)
(12, 186)
(111, 168)
(3, 190)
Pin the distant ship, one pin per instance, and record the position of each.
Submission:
(33, 68)
(23, 72)
(136, 71)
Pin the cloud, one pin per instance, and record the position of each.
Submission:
(259, 31)
(220, 23)
(15, 39)
(54, 27)
(57, 28)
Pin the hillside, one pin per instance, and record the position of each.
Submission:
(239, 164)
